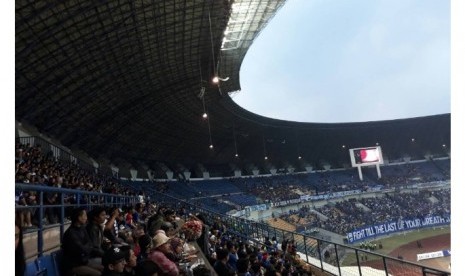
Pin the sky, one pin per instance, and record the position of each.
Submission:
(350, 61)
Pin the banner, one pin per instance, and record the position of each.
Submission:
(372, 231)
(329, 196)
(261, 207)
(432, 255)
(286, 202)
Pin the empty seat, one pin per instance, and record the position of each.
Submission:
(45, 265)
(57, 258)
(31, 269)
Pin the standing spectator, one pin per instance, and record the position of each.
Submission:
(20, 263)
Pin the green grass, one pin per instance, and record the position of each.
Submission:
(397, 240)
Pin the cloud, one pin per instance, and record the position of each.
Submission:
(390, 57)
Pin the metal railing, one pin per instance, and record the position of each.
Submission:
(67, 199)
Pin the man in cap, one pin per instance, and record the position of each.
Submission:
(114, 261)
(162, 248)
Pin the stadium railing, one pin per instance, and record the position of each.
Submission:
(67, 199)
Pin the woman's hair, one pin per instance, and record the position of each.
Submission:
(76, 213)
(20, 262)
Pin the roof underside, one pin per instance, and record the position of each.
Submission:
(122, 81)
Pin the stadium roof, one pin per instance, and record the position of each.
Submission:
(127, 83)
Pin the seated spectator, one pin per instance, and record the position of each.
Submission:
(131, 261)
(156, 221)
(50, 212)
(78, 247)
(111, 230)
(232, 259)
(114, 262)
(177, 249)
(129, 217)
(136, 235)
(147, 268)
(243, 266)
(221, 265)
(201, 270)
(161, 248)
(94, 228)
(145, 246)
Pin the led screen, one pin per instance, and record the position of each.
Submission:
(366, 156)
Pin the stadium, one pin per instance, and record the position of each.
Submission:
(124, 108)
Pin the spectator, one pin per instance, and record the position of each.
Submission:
(131, 261)
(94, 229)
(162, 247)
(111, 230)
(156, 221)
(114, 262)
(243, 266)
(232, 259)
(78, 247)
(147, 268)
(129, 217)
(221, 265)
(145, 245)
(201, 270)
(50, 212)
(136, 235)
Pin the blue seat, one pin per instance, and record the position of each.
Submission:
(31, 269)
(57, 257)
(45, 265)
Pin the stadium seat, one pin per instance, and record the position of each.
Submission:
(45, 265)
(31, 269)
(57, 257)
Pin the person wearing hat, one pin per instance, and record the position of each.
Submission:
(161, 249)
(114, 261)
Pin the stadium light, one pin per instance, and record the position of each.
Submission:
(217, 79)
